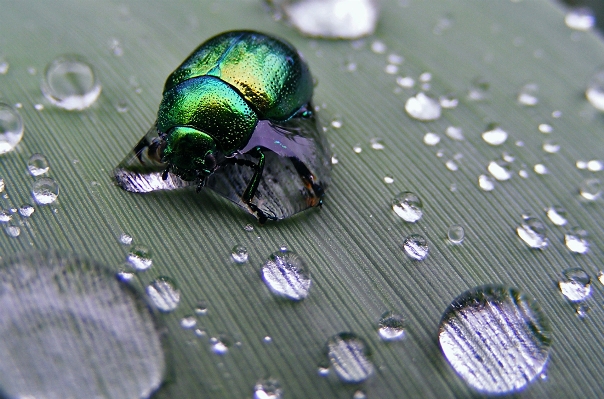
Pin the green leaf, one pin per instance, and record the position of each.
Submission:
(353, 245)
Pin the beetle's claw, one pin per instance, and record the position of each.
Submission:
(164, 175)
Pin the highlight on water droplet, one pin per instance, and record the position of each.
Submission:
(486, 183)
(556, 214)
(576, 241)
(11, 128)
(500, 170)
(71, 83)
(286, 275)
(575, 284)
(495, 338)
(349, 356)
(37, 165)
(494, 135)
(456, 234)
(45, 191)
(595, 90)
(580, 18)
(532, 232)
(528, 95)
(391, 327)
(164, 294)
(408, 206)
(268, 388)
(416, 247)
(422, 107)
(591, 189)
(239, 254)
(139, 257)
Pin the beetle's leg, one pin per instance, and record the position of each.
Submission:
(316, 190)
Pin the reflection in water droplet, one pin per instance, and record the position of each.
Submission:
(532, 232)
(416, 247)
(391, 327)
(164, 294)
(188, 322)
(26, 210)
(72, 330)
(11, 128)
(70, 83)
(239, 254)
(268, 388)
(45, 191)
(486, 183)
(591, 189)
(575, 284)
(545, 128)
(557, 215)
(495, 135)
(500, 170)
(286, 275)
(454, 133)
(408, 206)
(576, 240)
(423, 108)
(37, 165)
(456, 234)
(431, 139)
(528, 94)
(580, 18)
(139, 257)
(495, 338)
(551, 146)
(349, 355)
(595, 165)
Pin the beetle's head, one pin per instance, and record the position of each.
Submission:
(190, 153)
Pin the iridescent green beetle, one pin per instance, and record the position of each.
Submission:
(237, 117)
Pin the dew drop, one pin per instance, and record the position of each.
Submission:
(557, 215)
(37, 165)
(451, 165)
(495, 338)
(448, 101)
(408, 206)
(286, 275)
(416, 247)
(391, 69)
(423, 108)
(454, 133)
(220, 346)
(378, 47)
(540, 169)
(528, 95)
(11, 128)
(38, 107)
(125, 239)
(523, 173)
(500, 170)
(5, 216)
(486, 183)
(357, 149)
(124, 276)
(2, 185)
(456, 234)
(163, 293)
(551, 147)
(4, 67)
(358, 394)
(139, 257)
(495, 135)
(388, 179)
(581, 165)
(479, 90)
(45, 191)
(591, 189)
(580, 18)
(391, 327)
(395, 59)
(248, 227)
(70, 83)
(268, 388)
(116, 47)
(188, 322)
(349, 357)
(576, 240)
(406, 82)
(336, 123)
(121, 106)
(575, 284)
(334, 160)
(26, 210)
(532, 232)
(595, 90)
(545, 128)
(239, 254)
(595, 165)
(431, 139)
(377, 144)
(12, 231)
(201, 309)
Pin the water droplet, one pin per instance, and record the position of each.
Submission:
(595, 90)
(70, 83)
(26, 210)
(581, 165)
(500, 170)
(248, 227)
(454, 133)
(532, 232)
(163, 293)
(523, 173)
(124, 276)
(37, 165)
(12, 230)
(601, 277)
(595, 165)
(557, 215)
(580, 18)
(545, 128)
(2, 185)
(391, 69)
(267, 339)
(456, 234)
(388, 179)
(349, 356)
(323, 371)
(423, 108)
(406, 82)
(220, 346)
(551, 146)
(451, 165)
(38, 107)
(286, 275)
(201, 309)
(540, 169)
(575, 284)
(378, 47)
(486, 183)
(125, 239)
(408, 206)
(336, 123)
(121, 106)
(495, 135)
(239, 254)
(391, 327)
(425, 77)
(528, 95)
(45, 191)
(188, 322)
(479, 90)
(395, 59)
(3, 67)
(357, 149)
(268, 388)
(591, 189)
(116, 47)
(495, 338)
(448, 101)
(139, 257)
(11, 128)
(334, 160)
(377, 144)
(31, 70)
(416, 247)
(5, 216)
(431, 139)
(576, 240)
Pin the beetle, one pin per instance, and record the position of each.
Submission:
(236, 116)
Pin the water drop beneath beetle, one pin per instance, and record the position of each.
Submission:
(575, 284)
(500, 170)
(532, 232)
(71, 83)
(422, 107)
(576, 241)
(557, 215)
(163, 293)
(408, 206)
(286, 275)
(11, 128)
(26, 210)
(486, 183)
(431, 139)
(349, 357)
(239, 254)
(495, 135)
(580, 18)
(456, 234)
(37, 165)
(416, 247)
(528, 95)
(591, 189)
(495, 338)
(45, 191)
(391, 327)
(268, 388)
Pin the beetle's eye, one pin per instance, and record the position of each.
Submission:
(209, 162)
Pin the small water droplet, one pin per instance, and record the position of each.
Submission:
(495, 338)
(479, 90)
(125, 276)
(388, 179)
(248, 227)
(37, 165)
(358, 394)
(378, 47)
(121, 106)
(425, 77)
(455, 133)
(395, 59)
(391, 327)
(139, 257)
(523, 173)
(580, 18)
(377, 144)
(70, 83)
(268, 388)
(12, 230)
(323, 371)
(116, 47)
(38, 107)
(406, 81)
(451, 165)
(188, 322)
(408, 206)
(448, 101)
(220, 346)
(163, 293)
(551, 146)
(336, 123)
(201, 309)
(357, 149)
(528, 95)
(456, 234)
(2, 185)
(26, 210)
(576, 240)
(575, 284)
(422, 107)
(45, 191)
(5, 216)
(11, 128)
(545, 128)
(334, 160)
(595, 165)
(595, 90)
(3, 67)
(416, 247)
(239, 254)
(557, 215)
(125, 239)
(431, 139)
(581, 165)
(349, 356)
(591, 189)
(601, 277)
(532, 232)
(391, 69)
(32, 71)
(495, 135)
(486, 183)
(286, 275)
(500, 170)
(540, 169)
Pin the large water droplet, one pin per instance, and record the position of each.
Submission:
(349, 356)
(268, 388)
(575, 284)
(11, 128)
(495, 338)
(391, 327)
(595, 90)
(70, 329)
(591, 189)
(580, 18)
(456, 234)
(486, 183)
(557, 215)
(576, 240)
(45, 191)
(423, 108)
(528, 94)
(408, 206)
(286, 275)
(239, 254)
(416, 247)
(37, 165)
(500, 170)
(139, 257)
(495, 135)
(532, 232)
(164, 294)
(70, 83)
